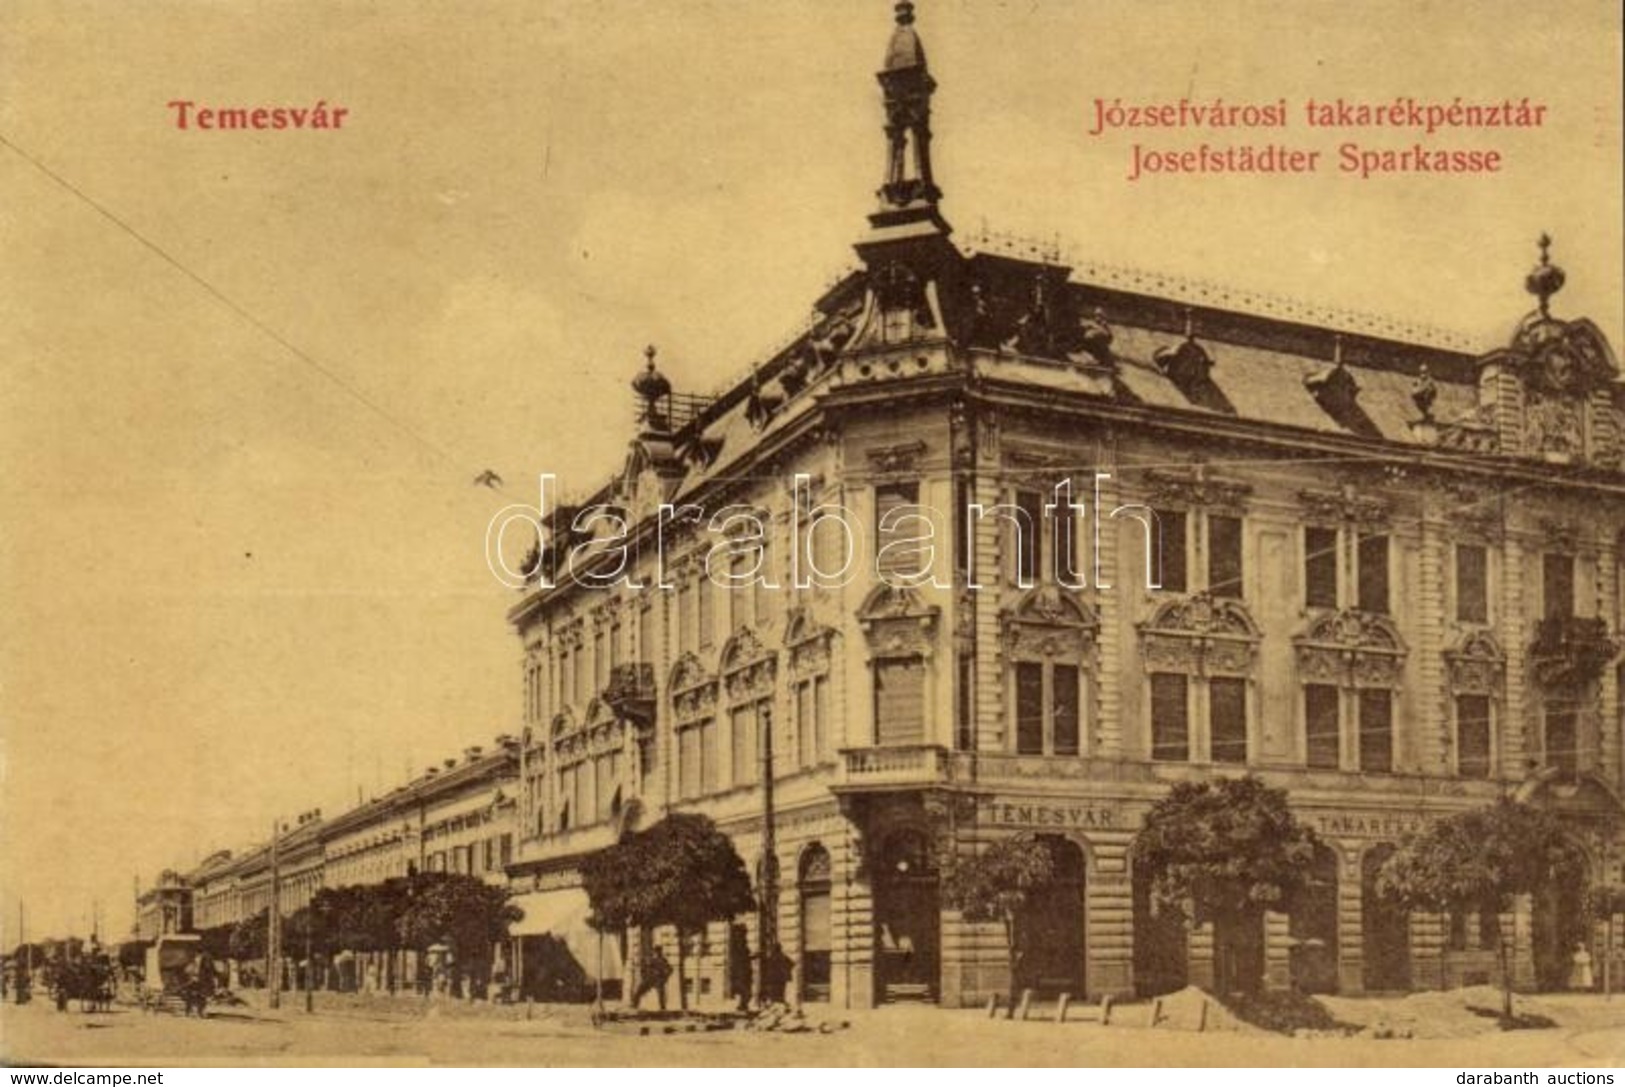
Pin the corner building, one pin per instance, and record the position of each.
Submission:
(1390, 583)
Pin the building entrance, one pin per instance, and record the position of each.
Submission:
(908, 919)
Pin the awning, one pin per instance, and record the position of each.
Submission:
(563, 915)
(551, 911)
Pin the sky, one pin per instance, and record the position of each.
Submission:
(247, 378)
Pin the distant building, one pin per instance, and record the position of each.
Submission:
(1388, 579)
(164, 908)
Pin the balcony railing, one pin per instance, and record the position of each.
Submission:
(1570, 650)
(885, 767)
(630, 692)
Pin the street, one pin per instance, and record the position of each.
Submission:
(1592, 1034)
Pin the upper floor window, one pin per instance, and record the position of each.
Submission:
(1320, 567)
(1047, 708)
(1472, 583)
(1322, 563)
(1372, 572)
(1557, 585)
(1029, 536)
(1224, 574)
(1172, 550)
(899, 701)
(1200, 651)
(1473, 735)
(893, 524)
(1215, 540)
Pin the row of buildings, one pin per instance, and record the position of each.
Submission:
(995, 548)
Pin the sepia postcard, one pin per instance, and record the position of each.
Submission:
(822, 533)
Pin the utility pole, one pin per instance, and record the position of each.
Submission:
(769, 986)
(273, 921)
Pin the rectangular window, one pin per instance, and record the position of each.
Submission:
(708, 757)
(607, 773)
(1373, 573)
(1472, 584)
(806, 726)
(1224, 556)
(706, 594)
(1067, 722)
(1376, 730)
(1473, 736)
(688, 762)
(740, 602)
(888, 498)
(965, 704)
(1557, 581)
(578, 680)
(744, 745)
(1562, 746)
(759, 590)
(505, 850)
(1320, 567)
(1063, 534)
(1171, 549)
(1029, 708)
(686, 625)
(1170, 718)
(900, 701)
(1029, 536)
(600, 660)
(646, 633)
(1322, 736)
(1227, 716)
(821, 717)
(617, 649)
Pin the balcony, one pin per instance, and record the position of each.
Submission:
(864, 768)
(630, 692)
(1570, 651)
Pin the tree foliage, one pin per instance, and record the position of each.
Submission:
(998, 884)
(1482, 856)
(682, 871)
(1229, 848)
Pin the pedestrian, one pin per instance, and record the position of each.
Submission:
(653, 976)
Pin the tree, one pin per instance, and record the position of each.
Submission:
(998, 884)
(248, 937)
(1229, 850)
(463, 912)
(682, 871)
(1479, 859)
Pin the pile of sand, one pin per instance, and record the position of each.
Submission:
(1194, 1009)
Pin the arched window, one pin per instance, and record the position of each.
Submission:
(748, 668)
(1200, 654)
(1350, 664)
(808, 648)
(694, 706)
(1049, 640)
(900, 629)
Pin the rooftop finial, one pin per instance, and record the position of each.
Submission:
(651, 386)
(1547, 278)
(905, 12)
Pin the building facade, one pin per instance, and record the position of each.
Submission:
(993, 549)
